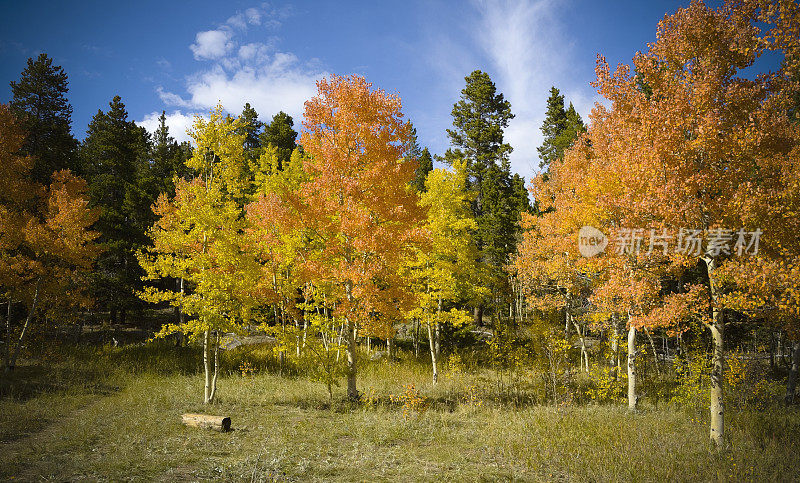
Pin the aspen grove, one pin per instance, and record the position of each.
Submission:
(648, 269)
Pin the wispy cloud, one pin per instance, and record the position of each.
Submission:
(523, 45)
(239, 71)
(528, 48)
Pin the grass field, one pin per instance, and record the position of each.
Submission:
(114, 414)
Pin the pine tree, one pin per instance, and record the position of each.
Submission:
(421, 173)
(560, 129)
(251, 127)
(39, 101)
(479, 118)
(423, 157)
(114, 156)
(167, 160)
(281, 134)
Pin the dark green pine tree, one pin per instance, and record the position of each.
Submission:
(251, 128)
(114, 156)
(167, 160)
(39, 100)
(560, 129)
(423, 157)
(280, 133)
(479, 118)
(421, 173)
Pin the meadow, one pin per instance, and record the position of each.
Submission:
(114, 413)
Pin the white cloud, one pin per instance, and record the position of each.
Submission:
(237, 21)
(172, 99)
(177, 122)
(212, 44)
(253, 16)
(523, 47)
(280, 83)
(525, 44)
(254, 72)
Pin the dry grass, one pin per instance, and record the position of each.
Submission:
(115, 416)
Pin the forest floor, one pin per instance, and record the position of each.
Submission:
(115, 414)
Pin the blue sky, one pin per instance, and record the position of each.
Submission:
(184, 58)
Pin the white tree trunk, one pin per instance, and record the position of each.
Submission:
(13, 362)
(655, 353)
(216, 367)
(717, 327)
(584, 354)
(352, 391)
(352, 356)
(633, 397)
(207, 367)
(615, 364)
(433, 354)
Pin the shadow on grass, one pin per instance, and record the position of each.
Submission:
(93, 370)
(29, 381)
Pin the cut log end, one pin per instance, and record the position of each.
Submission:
(217, 423)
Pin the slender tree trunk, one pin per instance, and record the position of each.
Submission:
(633, 397)
(339, 341)
(416, 338)
(615, 347)
(389, 350)
(791, 384)
(352, 391)
(437, 331)
(352, 355)
(655, 353)
(477, 315)
(297, 336)
(207, 366)
(434, 355)
(7, 352)
(281, 354)
(584, 354)
(179, 314)
(13, 362)
(717, 327)
(216, 367)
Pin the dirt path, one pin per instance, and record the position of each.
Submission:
(23, 456)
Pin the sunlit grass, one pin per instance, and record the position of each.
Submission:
(108, 415)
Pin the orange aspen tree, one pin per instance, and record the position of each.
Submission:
(687, 134)
(553, 271)
(357, 212)
(46, 244)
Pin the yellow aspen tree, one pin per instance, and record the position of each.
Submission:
(444, 271)
(200, 236)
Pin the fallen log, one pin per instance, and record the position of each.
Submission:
(217, 423)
